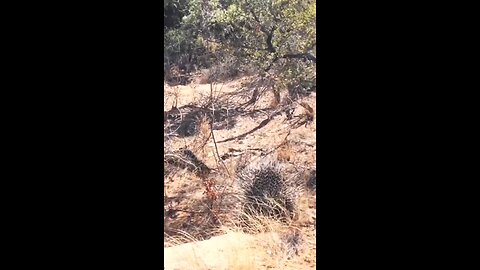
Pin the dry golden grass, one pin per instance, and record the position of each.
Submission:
(260, 246)
(275, 100)
(201, 140)
(192, 239)
(285, 152)
(309, 112)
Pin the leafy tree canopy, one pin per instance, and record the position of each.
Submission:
(276, 37)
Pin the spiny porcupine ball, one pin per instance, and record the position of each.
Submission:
(266, 190)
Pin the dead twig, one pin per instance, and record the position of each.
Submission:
(213, 135)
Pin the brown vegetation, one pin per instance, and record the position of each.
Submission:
(229, 133)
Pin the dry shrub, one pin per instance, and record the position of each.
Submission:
(203, 76)
(203, 137)
(267, 244)
(276, 97)
(308, 111)
(177, 76)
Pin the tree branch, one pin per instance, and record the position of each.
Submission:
(265, 31)
(269, 41)
(305, 56)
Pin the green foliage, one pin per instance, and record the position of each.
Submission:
(273, 36)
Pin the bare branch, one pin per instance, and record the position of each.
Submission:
(265, 31)
(269, 41)
(305, 56)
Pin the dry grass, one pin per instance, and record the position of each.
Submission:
(309, 112)
(202, 228)
(285, 152)
(267, 244)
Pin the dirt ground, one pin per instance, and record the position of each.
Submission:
(195, 235)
